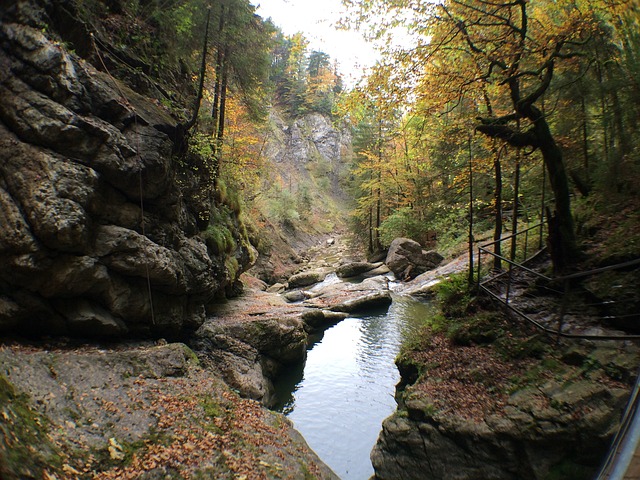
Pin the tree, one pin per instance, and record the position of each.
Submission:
(509, 52)
(524, 65)
(242, 59)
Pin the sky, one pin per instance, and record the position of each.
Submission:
(316, 19)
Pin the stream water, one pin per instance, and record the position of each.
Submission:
(340, 397)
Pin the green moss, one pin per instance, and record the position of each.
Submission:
(212, 408)
(219, 239)
(482, 328)
(536, 374)
(517, 347)
(191, 355)
(233, 267)
(22, 429)
(454, 295)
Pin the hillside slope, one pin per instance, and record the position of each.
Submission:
(304, 194)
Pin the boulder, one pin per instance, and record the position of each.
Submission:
(364, 303)
(407, 259)
(294, 296)
(276, 288)
(317, 319)
(249, 354)
(381, 270)
(304, 279)
(354, 269)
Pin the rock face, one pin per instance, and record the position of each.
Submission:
(554, 426)
(97, 237)
(308, 138)
(539, 430)
(407, 259)
(249, 354)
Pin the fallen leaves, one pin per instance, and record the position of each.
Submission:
(125, 426)
(69, 470)
(239, 441)
(470, 381)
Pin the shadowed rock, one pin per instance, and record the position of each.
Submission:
(79, 155)
(407, 259)
(354, 269)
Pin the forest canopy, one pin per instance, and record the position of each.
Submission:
(509, 95)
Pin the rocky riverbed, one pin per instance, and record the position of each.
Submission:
(157, 410)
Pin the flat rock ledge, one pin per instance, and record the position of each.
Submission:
(140, 411)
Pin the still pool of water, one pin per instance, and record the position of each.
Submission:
(340, 397)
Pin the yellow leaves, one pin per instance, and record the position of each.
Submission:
(69, 470)
(242, 157)
(50, 476)
(115, 450)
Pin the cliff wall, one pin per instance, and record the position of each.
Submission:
(101, 220)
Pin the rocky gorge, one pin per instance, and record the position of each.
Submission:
(104, 253)
(105, 248)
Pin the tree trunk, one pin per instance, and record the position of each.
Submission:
(371, 230)
(470, 273)
(539, 136)
(585, 141)
(552, 156)
(217, 151)
(621, 141)
(497, 196)
(219, 60)
(378, 245)
(514, 217)
(223, 96)
(196, 108)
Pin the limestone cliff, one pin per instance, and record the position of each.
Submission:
(308, 160)
(101, 220)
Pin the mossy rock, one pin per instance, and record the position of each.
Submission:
(20, 429)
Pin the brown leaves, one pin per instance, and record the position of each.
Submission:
(470, 381)
(200, 425)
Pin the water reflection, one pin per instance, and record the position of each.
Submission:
(346, 389)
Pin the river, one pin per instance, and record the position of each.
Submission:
(340, 397)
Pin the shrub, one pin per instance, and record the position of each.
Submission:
(402, 223)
